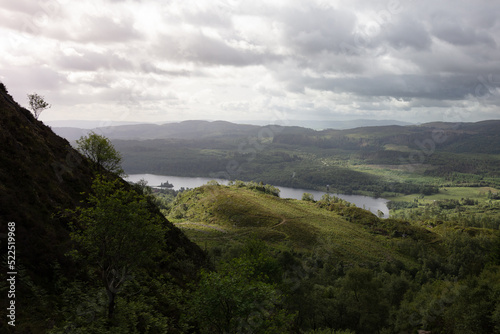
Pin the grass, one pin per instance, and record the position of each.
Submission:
(215, 215)
(399, 148)
(457, 193)
(400, 173)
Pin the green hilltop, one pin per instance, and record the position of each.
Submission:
(214, 215)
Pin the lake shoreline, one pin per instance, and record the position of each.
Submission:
(366, 202)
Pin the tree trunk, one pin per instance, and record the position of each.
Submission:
(111, 304)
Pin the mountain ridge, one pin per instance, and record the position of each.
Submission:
(198, 129)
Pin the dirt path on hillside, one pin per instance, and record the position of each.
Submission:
(283, 220)
(203, 225)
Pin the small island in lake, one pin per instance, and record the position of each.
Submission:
(166, 185)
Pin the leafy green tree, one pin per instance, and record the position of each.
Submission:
(37, 104)
(101, 152)
(476, 304)
(425, 308)
(365, 303)
(142, 186)
(236, 300)
(116, 234)
(308, 197)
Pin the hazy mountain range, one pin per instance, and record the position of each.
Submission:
(195, 129)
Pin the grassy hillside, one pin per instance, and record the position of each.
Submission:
(214, 215)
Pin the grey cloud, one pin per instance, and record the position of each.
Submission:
(429, 54)
(20, 6)
(270, 91)
(420, 71)
(398, 86)
(429, 103)
(213, 18)
(52, 19)
(314, 30)
(406, 32)
(91, 61)
(119, 96)
(24, 26)
(148, 67)
(375, 105)
(457, 33)
(43, 80)
(203, 49)
(100, 80)
(100, 30)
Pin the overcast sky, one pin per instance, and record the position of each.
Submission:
(162, 61)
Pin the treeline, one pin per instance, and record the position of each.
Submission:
(398, 205)
(453, 213)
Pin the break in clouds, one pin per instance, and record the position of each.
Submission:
(242, 60)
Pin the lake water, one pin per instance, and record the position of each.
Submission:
(369, 203)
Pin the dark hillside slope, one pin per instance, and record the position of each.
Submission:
(41, 175)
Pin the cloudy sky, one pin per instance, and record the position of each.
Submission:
(162, 61)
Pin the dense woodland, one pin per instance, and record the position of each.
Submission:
(98, 255)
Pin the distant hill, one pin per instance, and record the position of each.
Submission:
(71, 134)
(344, 125)
(209, 129)
(480, 137)
(41, 175)
(85, 124)
(459, 136)
(182, 130)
